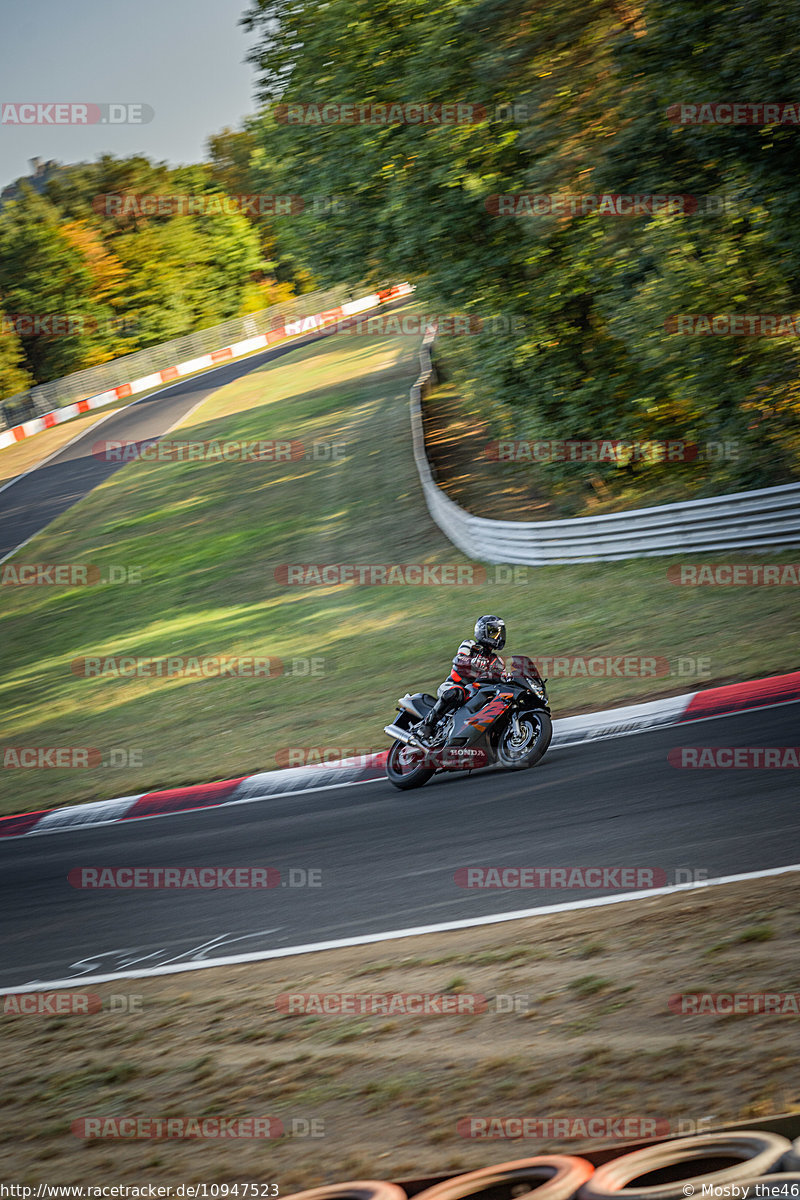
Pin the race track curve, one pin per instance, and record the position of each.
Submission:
(388, 859)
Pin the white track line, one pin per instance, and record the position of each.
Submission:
(395, 934)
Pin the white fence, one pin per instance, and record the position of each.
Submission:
(45, 397)
(170, 372)
(765, 519)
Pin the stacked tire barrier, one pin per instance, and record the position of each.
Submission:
(690, 1163)
(768, 518)
(724, 1164)
(549, 1176)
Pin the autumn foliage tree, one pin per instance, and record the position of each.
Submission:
(127, 278)
(576, 307)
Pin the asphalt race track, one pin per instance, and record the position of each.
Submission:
(387, 859)
(35, 500)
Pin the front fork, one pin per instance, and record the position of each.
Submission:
(514, 723)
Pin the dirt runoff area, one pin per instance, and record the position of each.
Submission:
(567, 1022)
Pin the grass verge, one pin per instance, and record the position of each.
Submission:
(22, 456)
(592, 1037)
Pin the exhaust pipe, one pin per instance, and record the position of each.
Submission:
(402, 735)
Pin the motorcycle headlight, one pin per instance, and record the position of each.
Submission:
(537, 688)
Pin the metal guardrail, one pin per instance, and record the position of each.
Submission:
(768, 518)
(45, 397)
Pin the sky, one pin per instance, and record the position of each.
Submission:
(182, 58)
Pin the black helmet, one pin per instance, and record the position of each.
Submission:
(490, 632)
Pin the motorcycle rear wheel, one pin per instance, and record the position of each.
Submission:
(404, 775)
(516, 753)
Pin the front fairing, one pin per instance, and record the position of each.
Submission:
(476, 720)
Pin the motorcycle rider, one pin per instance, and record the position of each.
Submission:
(474, 659)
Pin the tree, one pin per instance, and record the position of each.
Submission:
(133, 253)
(14, 377)
(574, 306)
(43, 275)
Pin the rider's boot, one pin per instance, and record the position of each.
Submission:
(426, 730)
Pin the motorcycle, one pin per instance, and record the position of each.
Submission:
(505, 721)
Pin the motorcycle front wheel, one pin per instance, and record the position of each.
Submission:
(402, 769)
(517, 751)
